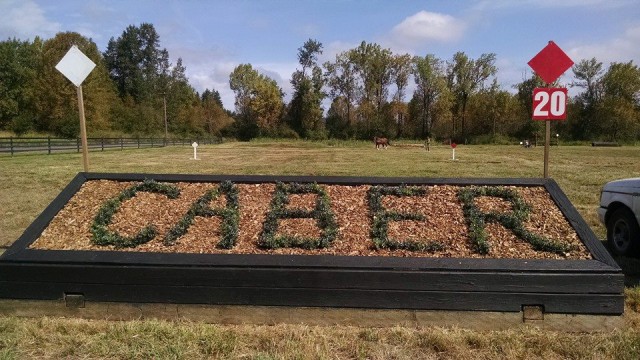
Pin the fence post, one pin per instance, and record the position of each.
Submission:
(152, 141)
(102, 143)
(121, 144)
(11, 144)
(78, 144)
(138, 142)
(49, 144)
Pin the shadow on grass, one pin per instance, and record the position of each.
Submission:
(630, 267)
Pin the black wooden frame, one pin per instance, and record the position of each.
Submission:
(559, 286)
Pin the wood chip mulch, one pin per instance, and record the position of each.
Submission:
(444, 222)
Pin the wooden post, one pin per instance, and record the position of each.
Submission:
(547, 129)
(83, 131)
(11, 144)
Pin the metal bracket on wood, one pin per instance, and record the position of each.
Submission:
(532, 313)
(74, 300)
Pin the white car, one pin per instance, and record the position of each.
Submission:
(619, 211)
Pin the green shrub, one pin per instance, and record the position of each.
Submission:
(101, 235)
(380, 219)
(476, 220)
(322, 213)
(230, 215)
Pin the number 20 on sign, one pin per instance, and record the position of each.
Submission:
(549, 104)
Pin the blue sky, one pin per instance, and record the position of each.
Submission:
(214, 36)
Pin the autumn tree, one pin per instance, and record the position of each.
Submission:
(214, 116)
(56, 97)
(259, 102)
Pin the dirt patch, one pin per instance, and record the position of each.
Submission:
(442, 221)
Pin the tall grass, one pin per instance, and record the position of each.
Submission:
(55, 338)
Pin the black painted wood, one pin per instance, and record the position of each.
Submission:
(42, 221)
(328, 297)
(328, 180)
(475, 281)
(308, 261)
(579, 225)
(561, 286)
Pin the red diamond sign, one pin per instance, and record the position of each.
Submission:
(550, 62)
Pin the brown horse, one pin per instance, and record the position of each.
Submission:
(381, 142)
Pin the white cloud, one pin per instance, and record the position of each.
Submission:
(25, 20)
(619, 49)
(281, 73)
(215, 75)
(334, 48)
(424, 27)
(308, 30)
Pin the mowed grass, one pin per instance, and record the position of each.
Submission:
(28, 183)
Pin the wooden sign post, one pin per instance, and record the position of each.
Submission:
(76, 66)
(549, 103)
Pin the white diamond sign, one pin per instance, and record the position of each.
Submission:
(75, 66)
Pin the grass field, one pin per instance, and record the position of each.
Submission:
(29, 182)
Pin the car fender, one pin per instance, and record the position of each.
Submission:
(614, 200)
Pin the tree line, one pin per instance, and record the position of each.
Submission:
(366, 90)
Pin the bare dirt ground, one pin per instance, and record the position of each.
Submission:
(444, 222)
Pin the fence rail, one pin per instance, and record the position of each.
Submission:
(49, 145)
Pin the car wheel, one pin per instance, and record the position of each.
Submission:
(623, 233)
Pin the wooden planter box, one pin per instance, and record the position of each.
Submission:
(419, 283)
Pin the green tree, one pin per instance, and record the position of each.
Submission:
(212, 95)
(18, 71)
(338, 125)
(588, 75)
(431, 84)
(620, 113)
(181, 97)
(340, 77)
(465, 77)
(373, 66)
(528, 128)
(305, 110)
(137, 64)
(492, 112)
(400, 71)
